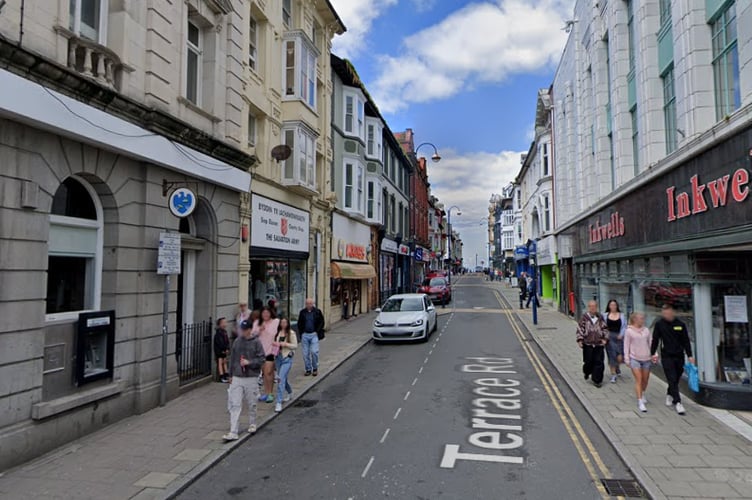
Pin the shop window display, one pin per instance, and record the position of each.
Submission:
(281, 281)
(731, 333)
(679, 295)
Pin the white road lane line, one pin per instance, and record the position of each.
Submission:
(368, 466)
(430, 352)
(425, 361)
(383, 438)
(399, 410)
(421, 370)
(415, 381)
(408, 394)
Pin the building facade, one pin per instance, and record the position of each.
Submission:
(653, 126)
(286, 108)
(537, 203)
(113, 109)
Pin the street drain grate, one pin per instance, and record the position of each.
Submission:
(305, 403)
(623, 488)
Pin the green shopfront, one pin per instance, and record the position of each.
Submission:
(684, 238)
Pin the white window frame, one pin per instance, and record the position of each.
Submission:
(304, 70)
(198, 51)
(357, 122)
(75, 21)
(287, 13)
(252, 129)
(303, 150)
(95, 298)
(546, 212)
(373, 185)
(253, 27)
(545, 160)
(356, 188)
(374, 138)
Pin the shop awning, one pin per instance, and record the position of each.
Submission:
(350, 271)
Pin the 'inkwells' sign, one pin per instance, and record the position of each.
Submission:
(719, 191)
(614, 228)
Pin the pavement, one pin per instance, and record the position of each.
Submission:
(156, 454)
(467, 415)
(673, 456)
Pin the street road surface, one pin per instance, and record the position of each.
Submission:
(475, 413)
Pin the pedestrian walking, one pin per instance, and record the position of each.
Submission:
(244, 314)
(355, 299)
(246, 359)
(617, 325)
(221, 349)
(285, 343)
(266, 328)
(532, 292)
(637, 341)
(522, 283)
(345, 304)
(592, 336)
(671, 334)
(311, 324)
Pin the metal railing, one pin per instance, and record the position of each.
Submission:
(193, 351)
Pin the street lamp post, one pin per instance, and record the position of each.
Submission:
(435, 158)
(449, 240)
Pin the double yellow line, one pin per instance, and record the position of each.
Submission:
(588, 454)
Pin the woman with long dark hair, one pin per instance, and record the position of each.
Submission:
(285, 343)
(617, 325)
(266, 328)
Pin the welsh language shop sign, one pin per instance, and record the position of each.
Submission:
(278, 226)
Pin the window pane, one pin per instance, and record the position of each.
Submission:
(90, 19)
(194, 34)
(290, 162)
(72, 200)
(348, 114)
(287, 12)
(191, 88)
(252, 43)
(66, 284)
(251, 130)
(290, 69)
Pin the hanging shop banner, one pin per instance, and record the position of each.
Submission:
(278, 226)
(350, 239)
(388, 245)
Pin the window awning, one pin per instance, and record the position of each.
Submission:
(350, 271)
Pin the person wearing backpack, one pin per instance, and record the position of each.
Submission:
(673, 337)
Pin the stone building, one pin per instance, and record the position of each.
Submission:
(285, 103)
(108, 108)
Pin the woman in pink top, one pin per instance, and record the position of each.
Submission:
(266, 328)
(637, 341)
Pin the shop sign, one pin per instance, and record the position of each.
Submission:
(521, 253)
(614, 228)
(278, 226)
(419, 254)
(404, 250)
(695, 201)
(388, 245)
(351, 239)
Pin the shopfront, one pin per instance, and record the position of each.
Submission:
(352, 272)
(279, 256)
(422, 258)
(548, 270)
(684, 239)
(388, 271)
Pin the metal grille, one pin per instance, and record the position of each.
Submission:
(193, 351)
(623, 488)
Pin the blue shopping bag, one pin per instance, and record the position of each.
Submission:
(693, 377)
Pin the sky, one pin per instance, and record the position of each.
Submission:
(464, 76)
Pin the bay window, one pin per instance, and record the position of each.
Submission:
(300, 168)
(354, 109)
(374, 133)
(353, 175)
(88, 19)
(300, 63)
(373, 200)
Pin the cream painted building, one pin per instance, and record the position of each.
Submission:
(107, 107)
(286, 101)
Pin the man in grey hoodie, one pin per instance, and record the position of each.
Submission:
(246, 358)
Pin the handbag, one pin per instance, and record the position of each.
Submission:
(693, 377)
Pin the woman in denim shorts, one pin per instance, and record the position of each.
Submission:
(637, 341)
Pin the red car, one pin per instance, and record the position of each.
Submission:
(437, 288)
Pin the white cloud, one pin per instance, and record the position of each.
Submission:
(468, 181)
(480, 43)
(358, 16)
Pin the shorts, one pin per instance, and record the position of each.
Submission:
(640, 365)
(221, 356)
(270, 357)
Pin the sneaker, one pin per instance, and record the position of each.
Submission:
(641, 405)
(598, 385)
(307, 373)
(278, 407)
(315, 373)
(287, 397)
(669, 400)
(618, 371)
(230, 436)
(645, 400)
(252, 429)
(613, 379)
(269, 398)
(262, 398)
(680, 409)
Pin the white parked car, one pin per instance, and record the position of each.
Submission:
(409, 316)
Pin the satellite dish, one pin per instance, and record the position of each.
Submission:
(281, 152)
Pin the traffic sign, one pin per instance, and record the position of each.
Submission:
(168, 255)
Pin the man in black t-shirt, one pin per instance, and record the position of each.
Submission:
(671, 333)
